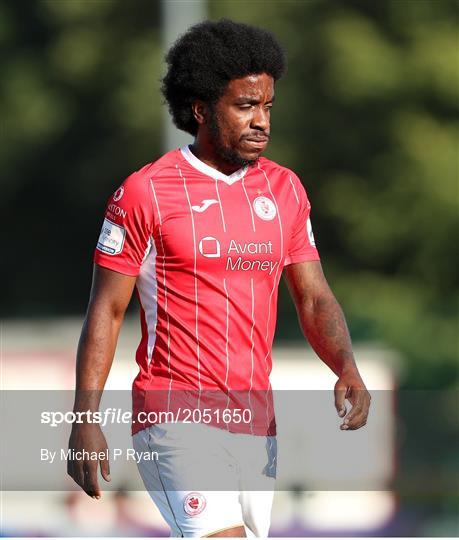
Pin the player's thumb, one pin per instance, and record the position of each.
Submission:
(105, 469)
(340, 398)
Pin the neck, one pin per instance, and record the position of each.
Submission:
(205, 151)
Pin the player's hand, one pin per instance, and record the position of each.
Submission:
(88, 437)
(351, 387)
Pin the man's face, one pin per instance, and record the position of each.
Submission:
(240, 120)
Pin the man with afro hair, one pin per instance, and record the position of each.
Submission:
(204, 234)
(208, 57)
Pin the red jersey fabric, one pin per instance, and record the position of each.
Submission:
(208, 250)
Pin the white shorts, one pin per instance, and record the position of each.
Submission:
(238, 470)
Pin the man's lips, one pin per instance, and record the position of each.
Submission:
(257, 142)
(257, 139)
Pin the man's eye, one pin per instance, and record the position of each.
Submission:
(245, 106)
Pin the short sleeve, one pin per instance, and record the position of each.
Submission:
(125, 238)
(302, 246)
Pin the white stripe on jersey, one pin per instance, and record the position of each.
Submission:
(251, 333)
(195, 282)
(227, 334)
(248, 202)
(220, 203)
(156, 201)
(252, 348)
(165, 296)
(281, 255)
(148, 293)
(227, 348)
(275, 280)
(294, 190)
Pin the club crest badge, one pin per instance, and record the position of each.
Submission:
(194, 503)
(264, 208)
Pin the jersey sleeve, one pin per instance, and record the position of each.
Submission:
(302, 246)
(127, 230)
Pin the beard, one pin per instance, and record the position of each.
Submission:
(226, 153)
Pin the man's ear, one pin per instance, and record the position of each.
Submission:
(200, 111)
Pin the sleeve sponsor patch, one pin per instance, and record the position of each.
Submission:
(111, 239)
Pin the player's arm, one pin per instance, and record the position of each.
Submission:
(323, 324)
(110, 295)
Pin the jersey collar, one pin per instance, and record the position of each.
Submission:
(210, 171)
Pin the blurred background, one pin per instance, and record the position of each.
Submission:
(367, 115)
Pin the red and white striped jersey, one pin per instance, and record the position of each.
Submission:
(208, 250)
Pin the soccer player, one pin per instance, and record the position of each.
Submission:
(204, 234)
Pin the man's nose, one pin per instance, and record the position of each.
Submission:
(260, 119)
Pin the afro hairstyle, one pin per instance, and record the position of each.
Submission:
(208, 56)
